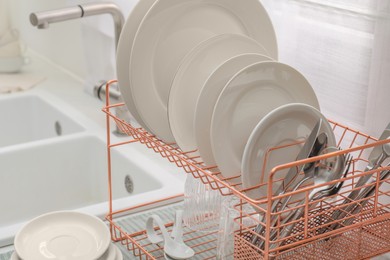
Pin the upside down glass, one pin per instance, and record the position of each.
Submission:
(202, 206)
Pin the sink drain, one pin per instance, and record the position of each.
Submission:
(129, 184)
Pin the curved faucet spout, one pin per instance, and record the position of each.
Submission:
(43, 19)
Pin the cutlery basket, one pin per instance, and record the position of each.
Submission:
(315, 233)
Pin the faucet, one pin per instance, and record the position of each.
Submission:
(42, 20)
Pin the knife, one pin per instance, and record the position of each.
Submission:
(367, 192)
(374, 160)
(291, 175)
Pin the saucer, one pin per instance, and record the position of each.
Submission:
(63, 235)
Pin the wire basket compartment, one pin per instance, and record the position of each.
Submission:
(360, 234)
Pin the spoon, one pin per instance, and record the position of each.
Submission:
(173, 248)
(313, 141)
(330, 169)
(335, 163)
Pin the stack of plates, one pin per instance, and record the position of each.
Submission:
(204, 74)
(65, 235)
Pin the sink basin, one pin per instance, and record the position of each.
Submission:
(30, 118)
(53, 156)
(68, 174)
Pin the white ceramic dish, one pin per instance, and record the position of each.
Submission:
(14, 256)
(118, 253)
(12, 64)
(282, 126)
(110, 253)
(63, 235)
(12, 49)
(170, 30)
(192, 74)
(249, 96)
(125, 46)
(209, 95)
(113, 253)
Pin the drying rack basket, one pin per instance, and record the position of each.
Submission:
(360, 235)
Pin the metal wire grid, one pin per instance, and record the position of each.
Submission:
(305, 240)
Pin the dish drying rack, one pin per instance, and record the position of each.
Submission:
(367, 233)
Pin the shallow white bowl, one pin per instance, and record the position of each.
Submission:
(63, 235)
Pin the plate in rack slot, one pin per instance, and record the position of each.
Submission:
(192, 74)
(283, 126)
(170, 30)
(125, 45)
(248, 97)
(209, 95)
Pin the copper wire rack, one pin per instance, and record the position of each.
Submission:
(360, 234)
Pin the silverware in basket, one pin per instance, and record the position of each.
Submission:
(291, 175)
(366, 194)
(375, 159)
(322, 176)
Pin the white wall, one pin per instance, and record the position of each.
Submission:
(62, 43)
(85, 47)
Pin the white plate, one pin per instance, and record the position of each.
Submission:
(170, 30)
(14, 256)
(249, 96)
(208, 97)
(119, 255)
(63, 235)
(113, 253)
(192, 74)
(125, 46)
(282, 126)
(110, 254)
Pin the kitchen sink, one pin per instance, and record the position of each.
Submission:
(53, 157)
(68, 174)
(27, 118)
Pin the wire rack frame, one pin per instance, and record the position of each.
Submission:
(352, 141)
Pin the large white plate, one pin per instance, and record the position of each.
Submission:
(125, 46)
(249, 96)
(209, 95)
(192, 74)
(170, 30)
(63, 235)
(282, 126)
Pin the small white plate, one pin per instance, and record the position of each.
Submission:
(282, 126)
(192, 74)
(113, 253)
(119, 255)
(248, 97)
(110, 254)
(14, 256)
(208, 97)
(63, 235)
(125, 46)
(170, 30)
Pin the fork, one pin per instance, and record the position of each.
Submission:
(316, 196)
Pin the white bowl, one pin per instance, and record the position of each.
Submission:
(63, 235)
(11, 49)
(12, 64)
